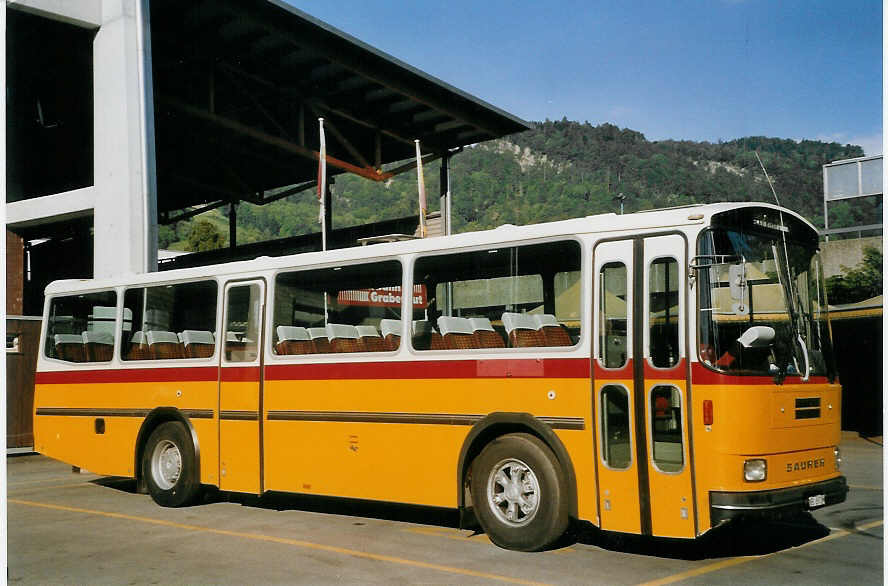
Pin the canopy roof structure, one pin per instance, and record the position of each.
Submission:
(239, 86)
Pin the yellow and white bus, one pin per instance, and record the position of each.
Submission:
(656, 373)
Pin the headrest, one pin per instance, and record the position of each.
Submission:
(292, 333)
(518, 321)
(197, 337)
(481, 324)
(454, 325)
(367, 331)
(390, 326)
(342, 331)
(160, 336)
(90, 337)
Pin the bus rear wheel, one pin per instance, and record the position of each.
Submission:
(519, 493)
(168, 465)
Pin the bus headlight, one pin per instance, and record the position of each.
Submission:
(838, 455)
(755, 470)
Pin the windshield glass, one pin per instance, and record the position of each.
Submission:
(762, 304)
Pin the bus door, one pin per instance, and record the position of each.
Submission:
(661, 403)
(240, 388)
(614, 387)
(640, 385)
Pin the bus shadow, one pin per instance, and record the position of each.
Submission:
(279, 501)
(739, 538)
(349, 507)
(117, 483)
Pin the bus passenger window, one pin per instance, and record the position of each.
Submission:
(169, 322)
(612, 316)
(616, 444)
(663, 316)
(345, 309)
(503, 297)
(243, 320)
(81, 327)
(665, 413)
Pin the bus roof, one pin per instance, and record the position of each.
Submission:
(609, 224)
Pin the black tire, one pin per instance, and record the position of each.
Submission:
(168, 465)
(539, 485)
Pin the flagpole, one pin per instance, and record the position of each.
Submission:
(420, 185)
(322, 184)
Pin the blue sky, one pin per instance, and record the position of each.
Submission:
(705, 70)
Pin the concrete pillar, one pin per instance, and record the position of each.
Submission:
(125, 186)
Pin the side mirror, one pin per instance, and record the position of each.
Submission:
(757, 337)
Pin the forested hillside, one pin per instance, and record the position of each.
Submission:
(561, 170)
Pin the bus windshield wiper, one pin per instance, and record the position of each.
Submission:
(793, 307)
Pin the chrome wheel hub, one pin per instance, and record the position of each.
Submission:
(166, 464)
(513, 492)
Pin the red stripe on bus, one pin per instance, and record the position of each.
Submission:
(420, 369)
(677, 371)
(433, 369)
(614, 373)
(129, 375)
(702, 375)
(240, 374)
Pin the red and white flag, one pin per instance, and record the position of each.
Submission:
(420, 183)
(322, 183)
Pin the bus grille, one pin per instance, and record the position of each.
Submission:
(808, 408)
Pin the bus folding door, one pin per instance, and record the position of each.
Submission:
(240, 389)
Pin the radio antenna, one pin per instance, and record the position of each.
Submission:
(771, 185)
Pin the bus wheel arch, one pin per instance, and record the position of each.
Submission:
(153, 420)
(495, 425)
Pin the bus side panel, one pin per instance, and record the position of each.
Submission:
(581, 448)
(73, 439)
(399, 440)
(65, 419)
(239, 436)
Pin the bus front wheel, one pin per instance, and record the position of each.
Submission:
(519, 493)
(168, 465)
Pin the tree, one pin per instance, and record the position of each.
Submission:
(166, 235)
(862, 282)
(205, 236)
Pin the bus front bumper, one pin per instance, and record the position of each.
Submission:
(724, 506)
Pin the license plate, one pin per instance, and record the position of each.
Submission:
(818, 500)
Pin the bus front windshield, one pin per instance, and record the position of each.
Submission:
(763, 307)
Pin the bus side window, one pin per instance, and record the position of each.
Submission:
(505, 297)
(81, 327)
(666, 434)
(616, 443)
(169, 322)
(344, 309)
(242, 323)
(612, 316)
(663, 312)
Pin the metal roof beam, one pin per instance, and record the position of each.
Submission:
(342, 139)
(165, 218)
(358, 62)
(280, 143)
